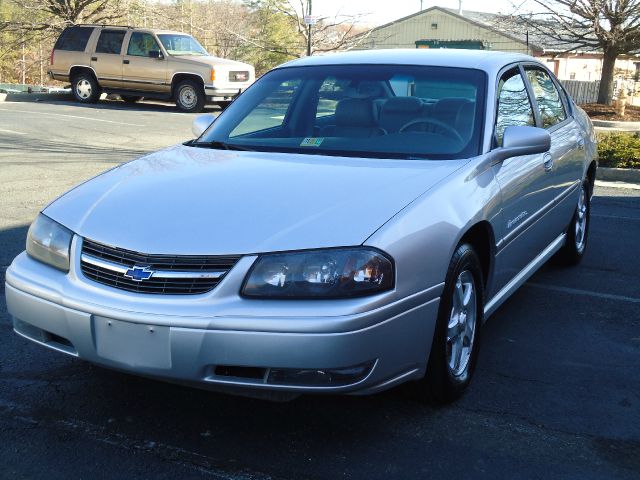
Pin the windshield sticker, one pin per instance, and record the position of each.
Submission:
(311, 142)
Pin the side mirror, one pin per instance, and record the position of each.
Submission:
(155, 54)
(522, 140)
(201, 123)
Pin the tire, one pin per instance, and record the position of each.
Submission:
(130, 99)
(190, 96)
(454, 351)
(85, 88)
(578, 231)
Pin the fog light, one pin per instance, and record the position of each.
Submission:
(319, 377)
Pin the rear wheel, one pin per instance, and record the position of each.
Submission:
(85, 88)
(454, 350)
(130, 99)
(190, 96)
(578, 231)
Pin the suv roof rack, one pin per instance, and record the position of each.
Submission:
(103, 25)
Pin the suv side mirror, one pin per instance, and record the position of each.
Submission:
(522, 140)
(155, 54)
(201, 123)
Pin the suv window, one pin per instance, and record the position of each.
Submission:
(73, 39)
(141, 44)
(547, 96)
(514, 106)
(110, 41)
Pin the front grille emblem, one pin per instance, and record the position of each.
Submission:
(139, 274)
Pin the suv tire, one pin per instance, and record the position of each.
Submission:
(85, 88)
(190, 96)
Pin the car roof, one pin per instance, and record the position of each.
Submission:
(489, 61)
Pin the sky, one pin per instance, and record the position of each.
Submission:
(384, 11)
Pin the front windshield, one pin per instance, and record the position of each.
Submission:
(382, 111)
(176, 44)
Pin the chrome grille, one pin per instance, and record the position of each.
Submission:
(171, 274)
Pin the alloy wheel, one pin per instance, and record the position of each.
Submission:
(581, 220)
(462, 324)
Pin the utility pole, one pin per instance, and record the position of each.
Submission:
(309, 32)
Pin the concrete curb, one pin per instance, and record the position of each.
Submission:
(34, 97)
(627, 175)
(619, 126)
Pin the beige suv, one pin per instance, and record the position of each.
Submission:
(137, 63)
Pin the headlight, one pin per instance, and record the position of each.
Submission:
(330, 273)
(49, 242)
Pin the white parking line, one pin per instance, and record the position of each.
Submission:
(5, 130)
(72, 116)
(589, 293)
(614, 216)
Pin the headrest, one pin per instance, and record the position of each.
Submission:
(402, 105)
(355, 112)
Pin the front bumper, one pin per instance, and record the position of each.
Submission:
(393, 340)
(227, 93)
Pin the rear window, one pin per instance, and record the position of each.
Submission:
(110, 41)
(74, 39)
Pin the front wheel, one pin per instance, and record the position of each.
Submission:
(190, 96)
(456, 340)
(578, 231)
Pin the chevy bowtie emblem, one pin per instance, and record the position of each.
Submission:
(138, 274)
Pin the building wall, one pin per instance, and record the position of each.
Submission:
(405, 33)
(586, 67)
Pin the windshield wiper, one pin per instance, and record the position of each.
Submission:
(221, 146)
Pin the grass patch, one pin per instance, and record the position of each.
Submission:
(619, 150)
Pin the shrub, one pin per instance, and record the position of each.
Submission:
(619, 150)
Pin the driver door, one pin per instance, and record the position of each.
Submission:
(524, 183)
(140, 70)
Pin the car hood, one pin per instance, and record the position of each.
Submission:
(186, 200)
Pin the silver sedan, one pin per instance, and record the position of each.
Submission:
(346, 225)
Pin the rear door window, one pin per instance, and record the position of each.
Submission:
(547, 97)
(74, 39)
(110, 41)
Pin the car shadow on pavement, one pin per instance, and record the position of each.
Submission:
(142, 106)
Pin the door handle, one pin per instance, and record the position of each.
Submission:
(94, 59)
(548, 162)
(126, 62)
(580, 143)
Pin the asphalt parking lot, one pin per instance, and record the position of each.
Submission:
(556, 394)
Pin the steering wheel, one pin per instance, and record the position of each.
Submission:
(447, 129)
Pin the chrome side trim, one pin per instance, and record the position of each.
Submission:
(116, 267)
(517, 281)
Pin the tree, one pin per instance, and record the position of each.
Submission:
(69, 12)
(610, 26)
(339, 32)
